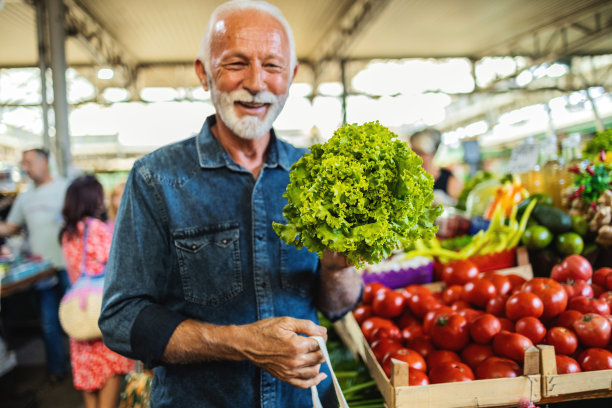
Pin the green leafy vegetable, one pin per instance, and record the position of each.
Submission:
(361, 194)
(601, 141)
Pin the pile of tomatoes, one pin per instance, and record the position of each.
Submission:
(481, 324)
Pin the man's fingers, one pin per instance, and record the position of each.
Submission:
(308, 328)
(298, 382)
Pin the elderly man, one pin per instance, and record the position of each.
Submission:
(198, 283)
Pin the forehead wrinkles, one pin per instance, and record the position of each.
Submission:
(249, 28)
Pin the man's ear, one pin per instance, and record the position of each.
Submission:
(201, 73)
(295, 70)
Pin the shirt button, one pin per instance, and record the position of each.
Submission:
(194, 246)
(263, 285)
(259, 237)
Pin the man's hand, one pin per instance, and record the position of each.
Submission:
(339, 286)
(333, 262)
(275, 345)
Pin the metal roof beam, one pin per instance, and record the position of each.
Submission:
(100, 43)
(338, 40)
(561, 38)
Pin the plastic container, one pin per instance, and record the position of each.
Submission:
(417, 270)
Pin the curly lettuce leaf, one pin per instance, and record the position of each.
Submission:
(361, 193)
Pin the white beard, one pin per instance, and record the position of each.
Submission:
(247, 127)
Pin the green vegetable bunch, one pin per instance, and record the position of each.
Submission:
(601, 141)
(361, 194)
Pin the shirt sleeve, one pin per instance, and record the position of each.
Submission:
(133, 320)
(15, 216)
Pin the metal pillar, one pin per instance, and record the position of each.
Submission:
(57, 34)
(598, 122)
(41, 31)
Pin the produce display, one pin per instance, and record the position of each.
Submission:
(361, 194)
(480, 325)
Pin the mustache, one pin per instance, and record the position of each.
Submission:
(241, 95)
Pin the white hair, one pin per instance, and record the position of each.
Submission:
(237, 5)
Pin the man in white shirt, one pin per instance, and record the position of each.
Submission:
(39, 209)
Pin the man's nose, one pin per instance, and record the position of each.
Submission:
(254, 80)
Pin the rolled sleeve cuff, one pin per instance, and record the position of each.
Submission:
(151, 332)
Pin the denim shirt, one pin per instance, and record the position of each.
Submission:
(194, 240)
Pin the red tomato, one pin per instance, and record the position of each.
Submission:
(375, 323)
(459, 272)
(460, 304)
(558, 273)
(450, 372)
(484, 328)
(407, 319)
(497, 367)
(563, 339)
(523, 304)
(516, 280)
(607, 297)
(567, 318)
(609, 281)
(501, 282)
(593, 330)
(506, 324)
(412, 332)
(417, 377)
(381, 348)
(388, 304)
(386, 333)
(497, 306)
(437, 357)
(597, 289)
(599, 276)
(450, 332)
(420, 304)
(414, 359)
(438, 267)
(452, 293)
(430, 318)
(411, 290)
(532, 328)
(566, 364)
(370, 290)
(578, 288)
(511, 345)
(586, 305)
(594, 359)
(573, 267)
(550, 292)
(470, 314)
(475, 354)
(362, 312)
(422, 345)
(478, 292)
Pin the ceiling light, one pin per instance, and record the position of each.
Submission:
(106, 73)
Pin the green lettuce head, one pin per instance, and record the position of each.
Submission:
(361, 194)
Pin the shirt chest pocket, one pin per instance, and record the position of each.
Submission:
(209, 263)
(298, 270)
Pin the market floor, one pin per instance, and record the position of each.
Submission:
(28, 385)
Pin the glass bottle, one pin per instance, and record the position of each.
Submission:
(552, 169)
(532, 178)
(572, 154)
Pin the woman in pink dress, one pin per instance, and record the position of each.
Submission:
(96, 370)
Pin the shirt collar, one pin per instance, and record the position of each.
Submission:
(212, 155)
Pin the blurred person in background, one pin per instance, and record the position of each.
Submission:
(39, 210)
(198, 284)
(113, 204)
(447, 187)
(96, 370)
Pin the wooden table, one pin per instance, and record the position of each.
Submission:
(13, 287)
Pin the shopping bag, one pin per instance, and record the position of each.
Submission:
(316, 402)
(80, 307)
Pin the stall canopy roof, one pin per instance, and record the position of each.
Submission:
(156, 40)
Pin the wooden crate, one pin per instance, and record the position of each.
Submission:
(481, 393)
(567, 387)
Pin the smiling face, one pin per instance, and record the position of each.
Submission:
(250, 71)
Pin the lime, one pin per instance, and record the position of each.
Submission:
(537, 237)
(579, 225)
(569, 243)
